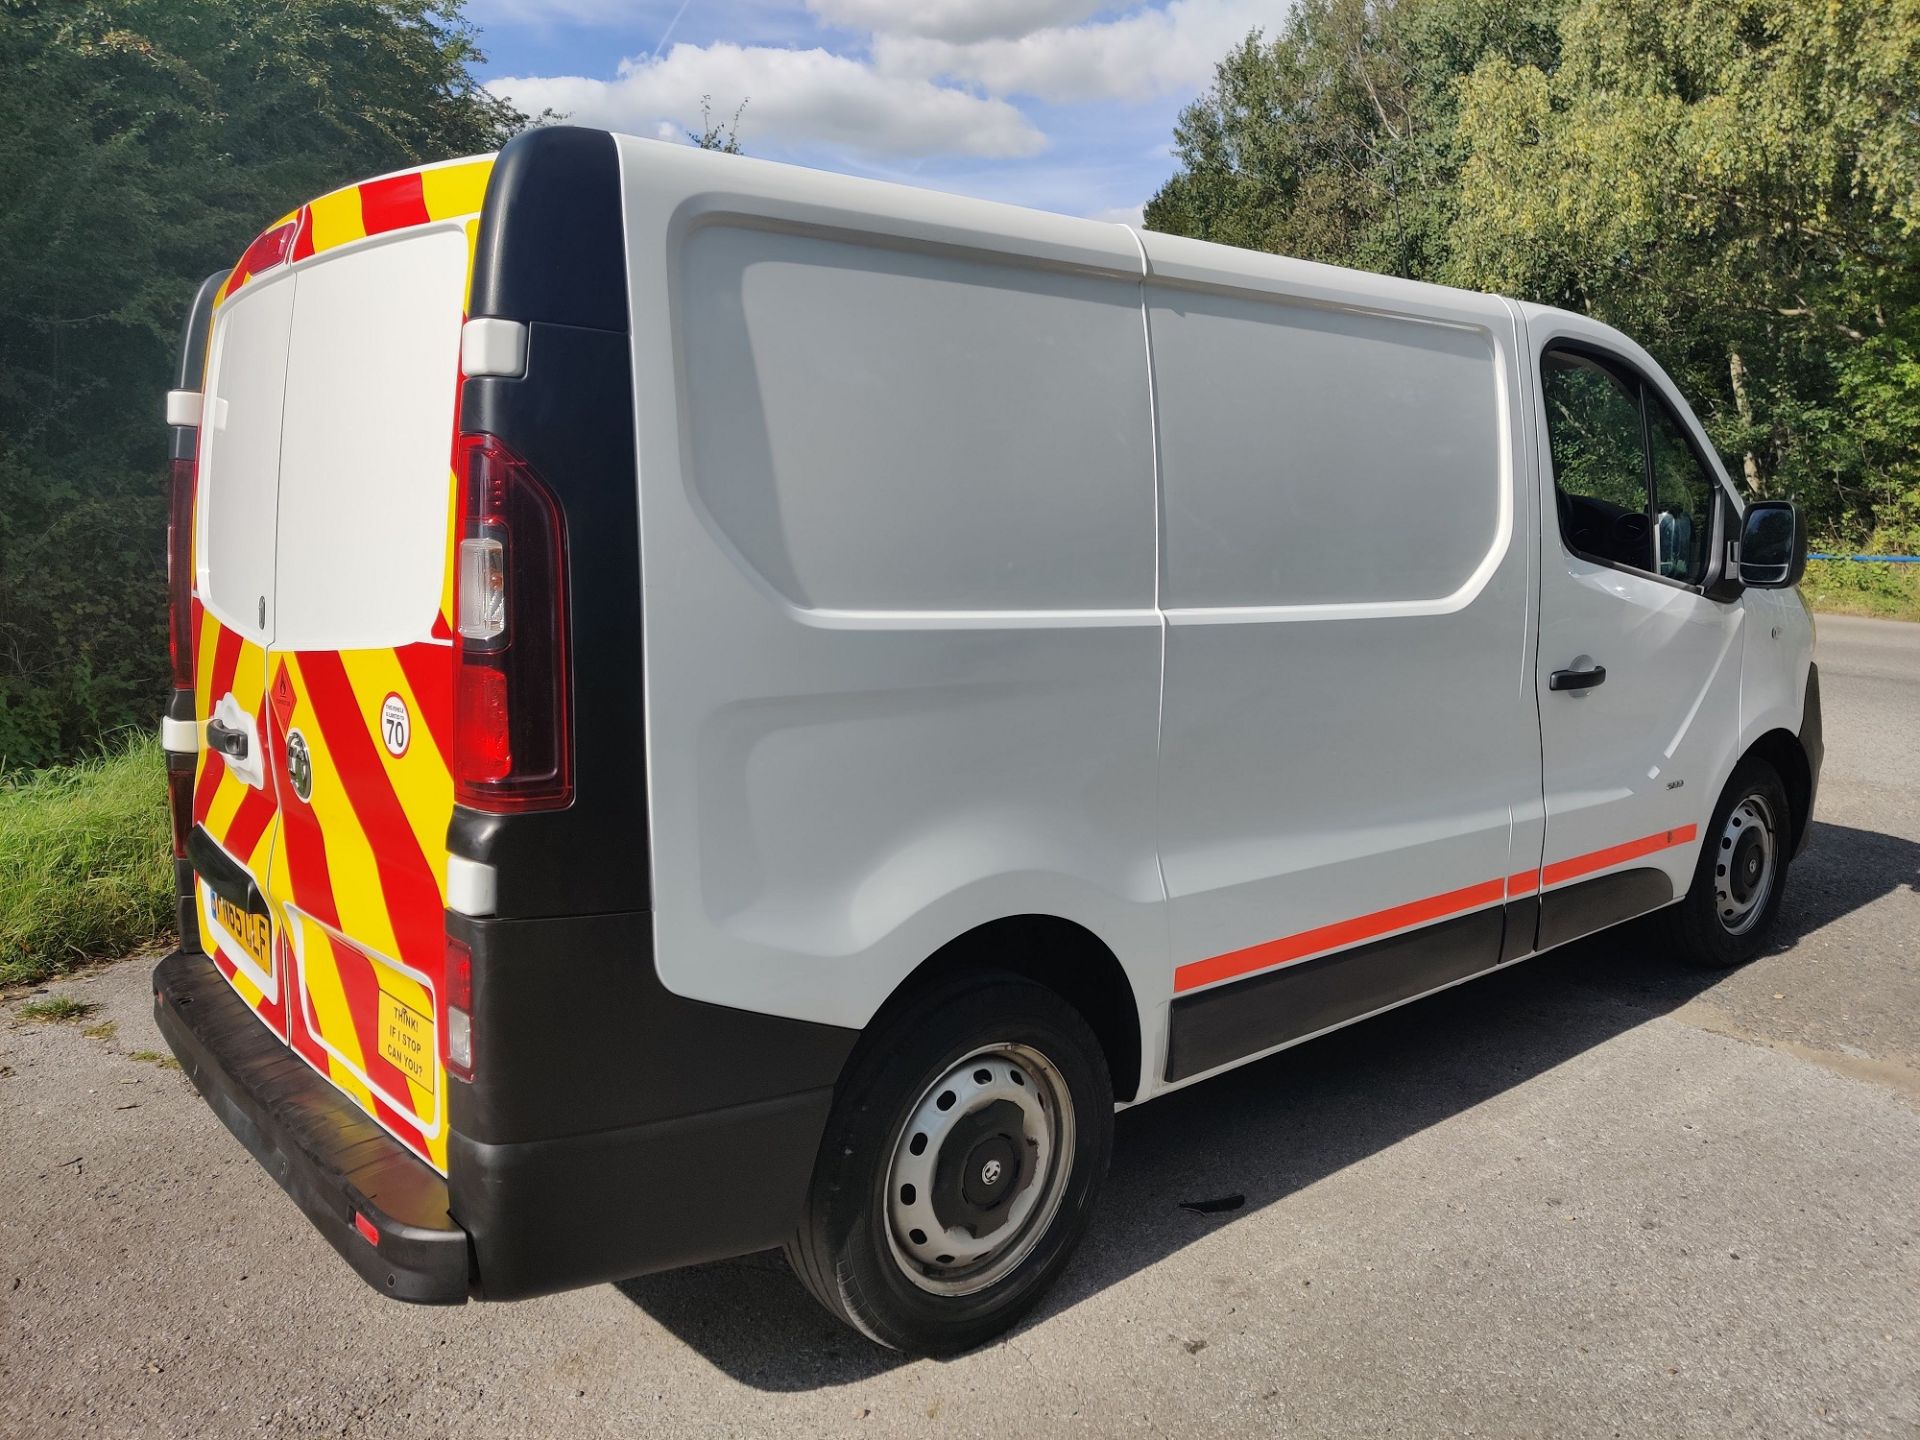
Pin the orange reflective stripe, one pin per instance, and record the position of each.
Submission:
(1617, 854)
(1338, 935)
(1272, 954)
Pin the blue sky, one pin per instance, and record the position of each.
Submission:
(1064, 105)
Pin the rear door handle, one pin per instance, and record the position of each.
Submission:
(1577, 679)
(227, 740)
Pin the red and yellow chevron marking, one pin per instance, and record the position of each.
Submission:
(354, 212)
(355, 874)
(233, 812)
(363, 883)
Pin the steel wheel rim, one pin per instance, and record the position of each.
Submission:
(1746, 864)
(949, 1259)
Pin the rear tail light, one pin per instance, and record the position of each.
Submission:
(269, 248)
(512, 742)
(180, 800)
(456, 1019)
(180, 573)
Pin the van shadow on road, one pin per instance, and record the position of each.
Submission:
(1275, 1127)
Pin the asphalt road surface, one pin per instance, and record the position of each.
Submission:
(1594, 1195)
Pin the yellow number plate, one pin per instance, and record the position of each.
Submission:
(406, 1039)
(253, 932)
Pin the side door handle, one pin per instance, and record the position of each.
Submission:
(227, 739)
(1577, 679)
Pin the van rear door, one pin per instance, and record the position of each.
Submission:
(326, 529)
(235, 802)
(360, 690)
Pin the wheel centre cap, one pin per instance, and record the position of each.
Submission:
(1749, 863)
(984, 1163)
(989, 1173)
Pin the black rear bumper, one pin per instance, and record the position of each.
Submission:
(330, 1157)
(693, 1127)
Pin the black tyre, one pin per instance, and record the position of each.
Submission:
(959, 1167)
(1741, 876)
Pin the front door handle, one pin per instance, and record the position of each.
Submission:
(227, 739)
(1577, 679)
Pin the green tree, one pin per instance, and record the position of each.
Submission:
(720, 135)
(1736, 183)
(1335, 141)
(147, 142)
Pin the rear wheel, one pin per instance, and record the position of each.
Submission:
(1741, 875)
(959, 1167)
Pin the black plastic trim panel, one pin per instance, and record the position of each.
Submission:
(552, 242)
(191, 363)
(1230, 1022)
(185, 908)
(1576, 910)
(1523, 928)
(224, 875)
(574, 1032)
(183, 444)
(551, 255)
(613, 1127)
(551, 1215)
(1813, 741)
(321, 1149)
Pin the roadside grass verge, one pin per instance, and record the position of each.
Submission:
(59, 1008)
(84, 862)
(1849, 587)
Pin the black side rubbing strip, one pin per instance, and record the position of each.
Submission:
(1602, 901)
(1523, 928)
(1231, 1021)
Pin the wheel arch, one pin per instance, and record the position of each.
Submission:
(1783, 750)
(1067, 958)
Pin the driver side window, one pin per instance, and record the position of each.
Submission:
(1599, 460)
(1629, 488)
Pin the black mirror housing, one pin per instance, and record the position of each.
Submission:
(1773, 545)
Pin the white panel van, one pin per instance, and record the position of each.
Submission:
(722, 706)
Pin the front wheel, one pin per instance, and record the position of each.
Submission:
(1741, 875)
(959, 1166)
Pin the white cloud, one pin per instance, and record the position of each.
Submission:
(794, 97)
(956, 20)
(1122, 215)
(1148, 53)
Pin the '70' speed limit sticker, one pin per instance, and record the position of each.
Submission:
(396, 725)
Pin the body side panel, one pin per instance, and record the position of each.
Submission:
(851, 764)
(1341, 766)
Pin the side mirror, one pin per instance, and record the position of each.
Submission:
(1773, 545)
